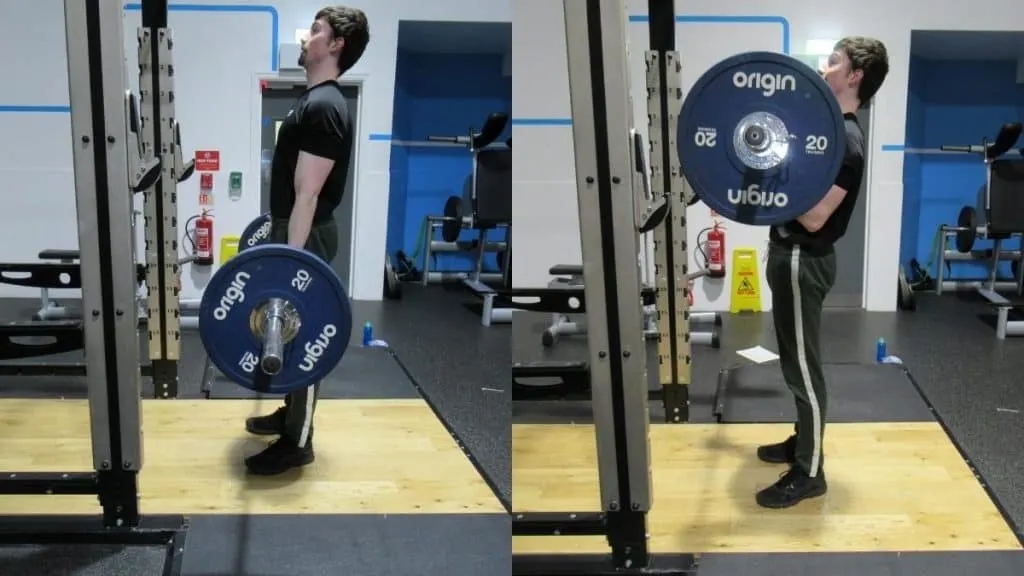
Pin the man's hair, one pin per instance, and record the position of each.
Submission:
(870, 56)
(349, 24)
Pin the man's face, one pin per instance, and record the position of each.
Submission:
(838, 72)
(319, 45)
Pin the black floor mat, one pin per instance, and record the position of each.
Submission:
(856, 393)
(333, 545)
(81, 560)
(995, 563)
(363, 373)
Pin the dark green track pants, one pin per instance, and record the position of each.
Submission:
(799, 282)
(301, 404)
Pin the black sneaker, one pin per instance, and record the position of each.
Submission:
(792, 487)
(269, 425)
(781, 453)
(280, 457)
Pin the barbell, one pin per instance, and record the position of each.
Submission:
(274, 318)
(761, 138)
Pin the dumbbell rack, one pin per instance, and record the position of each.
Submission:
(431, 247)
(946, 255)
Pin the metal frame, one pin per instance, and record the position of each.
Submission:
(159, 124)
(96, 80)
(599, 85)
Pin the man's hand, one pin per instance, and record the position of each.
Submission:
(311, 173)
(816, 217)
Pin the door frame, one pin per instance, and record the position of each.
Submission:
(288, 80)
(870, 150)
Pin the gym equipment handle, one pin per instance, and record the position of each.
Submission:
(272, 359)
(969, 149)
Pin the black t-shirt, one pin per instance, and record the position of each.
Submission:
(850, 175)
(320, 124)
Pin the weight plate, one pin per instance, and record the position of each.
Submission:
(256, 233)
(392, 285)
(968, 220)
(761, 138)
(453, 213)
(236, 296)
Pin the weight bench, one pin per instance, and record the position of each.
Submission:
(49, 309)
(59, 269)
(999, 215)
(572, 275)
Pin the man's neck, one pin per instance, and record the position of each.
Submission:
(849, 105)
(320, 75)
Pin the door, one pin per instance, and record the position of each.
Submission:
(848, 291)
(278, 98)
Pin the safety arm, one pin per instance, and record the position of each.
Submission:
(815, 218)
(311, 173)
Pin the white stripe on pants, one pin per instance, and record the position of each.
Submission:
(805, 372)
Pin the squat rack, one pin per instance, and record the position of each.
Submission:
(609, 210)
(96, 80)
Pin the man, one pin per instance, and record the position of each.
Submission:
(308, 174)
(801, 270)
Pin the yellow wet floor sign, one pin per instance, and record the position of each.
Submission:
(746, 286)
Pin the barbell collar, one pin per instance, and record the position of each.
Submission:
(276, 319)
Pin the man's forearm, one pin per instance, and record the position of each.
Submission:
(301, 221)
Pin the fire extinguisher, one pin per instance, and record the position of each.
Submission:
(716, 251)
(204, 240)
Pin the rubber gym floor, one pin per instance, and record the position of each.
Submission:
(924, 460)
(390, 493)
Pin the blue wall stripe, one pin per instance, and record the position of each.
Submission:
(255, 9)
(542, 121)
(643, 18)
(35, 109)
(707, 19)
(893, 147)
(235, 8)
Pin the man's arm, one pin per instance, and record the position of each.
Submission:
(815, 218)
(322, 140)
(849, 178)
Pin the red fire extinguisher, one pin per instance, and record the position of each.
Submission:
(204, 240)
(716, 251)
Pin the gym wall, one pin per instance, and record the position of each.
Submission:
(708, 31)
(951, 103)
(220, 49)
(438, 95)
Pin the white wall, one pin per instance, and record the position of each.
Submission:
(218, 54)
(545, 176)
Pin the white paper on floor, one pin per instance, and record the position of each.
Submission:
(758, 354)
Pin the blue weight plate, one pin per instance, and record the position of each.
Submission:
(245, 283)
(256, 233)
(771, 88)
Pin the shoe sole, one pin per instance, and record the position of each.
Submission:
(763, 458)
(302, 464)
(263, 432)
(780, 505)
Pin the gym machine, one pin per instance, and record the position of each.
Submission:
(998, 216)
(602, 110)
(459, 211)
(95, 48)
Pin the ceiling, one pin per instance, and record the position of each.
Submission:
(455, 37)
(966, 45)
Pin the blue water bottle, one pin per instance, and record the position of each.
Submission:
(880, 352)
(367, 333)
